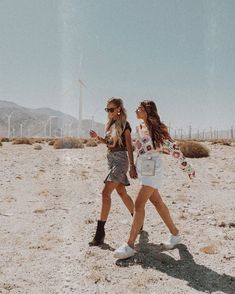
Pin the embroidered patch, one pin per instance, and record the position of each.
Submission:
(141, 151)
(176, 154)
(149, 147)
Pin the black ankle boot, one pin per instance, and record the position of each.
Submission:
(99, 235)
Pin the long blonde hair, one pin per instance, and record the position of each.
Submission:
(120, 123)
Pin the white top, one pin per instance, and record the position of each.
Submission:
(144, 145)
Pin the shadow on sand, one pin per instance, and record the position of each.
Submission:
(198, 276)
(106, 246)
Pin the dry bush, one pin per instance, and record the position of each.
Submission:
(4, 139)
(84, 141)
(51, 142)
(22, 141)
(214, 142)
(91, 143)
(0, 144)
(193, 149)
(225, 142)
(38, 140)
(68, 143)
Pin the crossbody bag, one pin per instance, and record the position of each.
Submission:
(147, 166)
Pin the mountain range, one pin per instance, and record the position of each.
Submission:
(16, 120)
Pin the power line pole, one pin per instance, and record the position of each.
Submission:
(190, 132)
(21, 130)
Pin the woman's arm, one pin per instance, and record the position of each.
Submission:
(129, 147)
(102, 140)
(174, 150)
(94, 135)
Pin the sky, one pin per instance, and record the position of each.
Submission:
(179, 53)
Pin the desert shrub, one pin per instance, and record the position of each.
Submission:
(38, 140)
(4, 139)
(225, 142)
(84, 141)
(91, 143)
(68, 143)
(51, 142)
(22, 141)
(193, 149)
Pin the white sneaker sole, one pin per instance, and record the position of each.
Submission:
(168, 245)
(124, 252)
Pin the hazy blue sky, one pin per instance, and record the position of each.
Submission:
(180, 53)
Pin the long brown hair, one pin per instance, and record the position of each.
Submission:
(120, 123)
(157, 129)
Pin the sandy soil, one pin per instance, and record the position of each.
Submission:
(50, 201)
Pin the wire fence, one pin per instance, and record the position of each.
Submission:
(191, 133)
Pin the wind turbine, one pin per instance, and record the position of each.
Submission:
(81, 85)
(9, 122)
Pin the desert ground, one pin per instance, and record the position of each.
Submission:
(50, 201)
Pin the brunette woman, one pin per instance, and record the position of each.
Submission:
(153, 136)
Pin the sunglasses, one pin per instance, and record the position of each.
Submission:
(110, 109)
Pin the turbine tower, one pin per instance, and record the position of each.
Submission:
(81, 85)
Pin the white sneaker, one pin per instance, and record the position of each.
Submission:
(172, 242)
(123, 252)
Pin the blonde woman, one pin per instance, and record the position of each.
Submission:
(119, 144)
(153, 136)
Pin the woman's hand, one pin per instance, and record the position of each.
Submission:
(110, 146)
(93, 134)
(133, 174)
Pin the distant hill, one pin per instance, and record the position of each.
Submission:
(36, 122)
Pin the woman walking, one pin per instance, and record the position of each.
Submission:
(119, 143)
(153, 136)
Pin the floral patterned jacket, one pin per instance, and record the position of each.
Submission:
(144, 145)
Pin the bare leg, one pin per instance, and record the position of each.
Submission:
(163, 212)
(106, 199)
(121, 190)
(106, 204)
(144, 194)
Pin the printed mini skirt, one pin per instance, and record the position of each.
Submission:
(118, 167)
